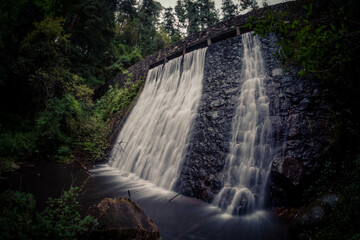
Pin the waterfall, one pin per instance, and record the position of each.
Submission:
(154, 138)
(248, 163)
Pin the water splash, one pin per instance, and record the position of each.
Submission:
(248, 163)
(153, 140)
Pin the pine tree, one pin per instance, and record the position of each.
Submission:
(148, 18)
(229, 9)
(180, 12)
(196, 15)
(245, 4)
(126, 10)
(208, 13)
(92, 34)
(169, 24)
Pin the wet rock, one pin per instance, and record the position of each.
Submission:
(292, 90)
(15, 166)
(231, 91)
(302, 138)
(277, 72)
(304, 104)
(122, 219)
(317, 210)
(289, 168)
(214, 115)
(293, 132)
(330, 199)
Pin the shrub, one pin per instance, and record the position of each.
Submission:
(60, 220)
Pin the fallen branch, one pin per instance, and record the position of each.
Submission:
(174, 197)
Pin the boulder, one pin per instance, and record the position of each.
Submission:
(121, 218)
(288, 168)
(317, 210)
(15, 166)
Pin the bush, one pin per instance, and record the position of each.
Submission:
(60, 220)
(117, 100)
(17, 215)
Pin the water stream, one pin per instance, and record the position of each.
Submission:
(183, 218)
(248, 163)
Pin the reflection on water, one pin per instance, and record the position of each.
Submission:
(183, 217)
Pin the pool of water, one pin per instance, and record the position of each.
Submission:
(182, 217)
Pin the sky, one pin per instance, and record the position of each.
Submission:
(172, 3)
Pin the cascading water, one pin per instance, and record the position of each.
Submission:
(248, 163)
(153, 140)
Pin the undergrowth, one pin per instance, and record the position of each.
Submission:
(60, 220)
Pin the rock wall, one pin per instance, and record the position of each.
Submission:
(301, 123)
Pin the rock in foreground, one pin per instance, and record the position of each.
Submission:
(122, 219)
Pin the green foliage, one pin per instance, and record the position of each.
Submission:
(92, 33)
(60, 220)
(117, 100)
(321, 45)
(127, 56)
(20, 146)
(68, 124)
(17, 215)
(45, 46)
(53, 55)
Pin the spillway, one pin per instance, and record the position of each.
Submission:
(153, 140)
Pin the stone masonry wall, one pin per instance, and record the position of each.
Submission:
(300, 115)
(302, 123)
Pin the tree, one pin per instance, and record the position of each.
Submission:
(265, 3)
(43, 59)
(208, 13)
(169, 24)
(148, 18)
(229, 9)
(192, 16)
(180, 12)
(16, 21)
(92, 35)
(245, 4)
(196, 15)
(126, 11)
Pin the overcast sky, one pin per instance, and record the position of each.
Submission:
(172, 3)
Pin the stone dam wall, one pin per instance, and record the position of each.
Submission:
(300, 111)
